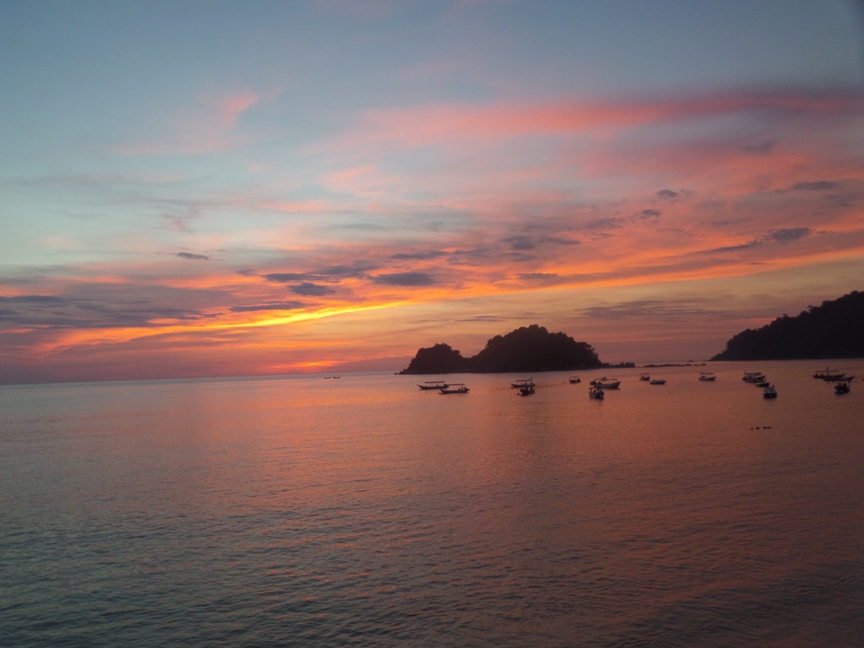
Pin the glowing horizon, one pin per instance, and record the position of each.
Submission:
(303, 187)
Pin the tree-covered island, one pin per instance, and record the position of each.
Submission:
(527, 349)
(833, 330)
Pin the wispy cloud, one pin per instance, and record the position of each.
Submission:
(212, 126)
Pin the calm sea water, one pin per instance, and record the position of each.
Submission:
(362, 511)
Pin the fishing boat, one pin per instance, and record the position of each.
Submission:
(657, 381)
(841, 388)
(828, 375)
(707, 376)
(645, 377)
(837, 377)
(596, 393)
(606, 383)
(754, 377)
(433, 384)
(574, 379)
(527, 390)
(523, 382)
(456, 388)
(769, 392)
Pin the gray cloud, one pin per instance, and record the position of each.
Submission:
(285, 277)
(418, 256)
(641, 309)
(269, 306)
(819, 185)
(308, 289)
(194, 257)
(404, 279)
(538, 275)
(733, 248)
(35, 299)
(761, 147)
(557, 240)
(604, 223)
(789, 235)
(666, 193)
(519, 243)
(329, 273)
(63, 312)
(650, 213)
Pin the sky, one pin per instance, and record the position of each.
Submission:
(268, 187)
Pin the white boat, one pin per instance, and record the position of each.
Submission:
(524, 382)
(657, 381)
(456, 388)
(769, 392)
(433, 384)
(707, 376)
(596, 393)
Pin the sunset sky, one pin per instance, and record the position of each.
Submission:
(234, 188)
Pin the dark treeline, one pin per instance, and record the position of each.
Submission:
(526, 349)
(833, 330)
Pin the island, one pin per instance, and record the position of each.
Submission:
(833, 330)
(527, 349)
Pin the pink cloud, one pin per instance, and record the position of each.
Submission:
(430, 125)
(209, 128)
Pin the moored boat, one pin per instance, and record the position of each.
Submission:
(707, 376)
(527, 390)
(754, 377)
(456, 388)
(433, 384)
(769, 392)
(645, 377)
(523, 382)
(574, 379)
(828, 375)
(657, 381)
(841, 388)
(606, 383)
(596, 393)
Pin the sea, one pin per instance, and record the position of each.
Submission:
(362, 511)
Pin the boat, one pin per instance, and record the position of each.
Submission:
(827, 375)
(574, 379)
(841, 388)
(527, 390)
(763, 383)
(657, 381)
(645, 377)
(524, 382)
(433, 384)
(456, 388)
(754, 377)
(769, 392)
(707, 376)
(596, 393)
(606, 383)
(837, 377)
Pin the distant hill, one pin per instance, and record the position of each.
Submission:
(833, 330)
(526, 349)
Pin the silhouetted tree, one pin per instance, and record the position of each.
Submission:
(833, 330)
(437, 359)
(527, 349)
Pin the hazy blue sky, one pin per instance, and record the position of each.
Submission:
(205, 188)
